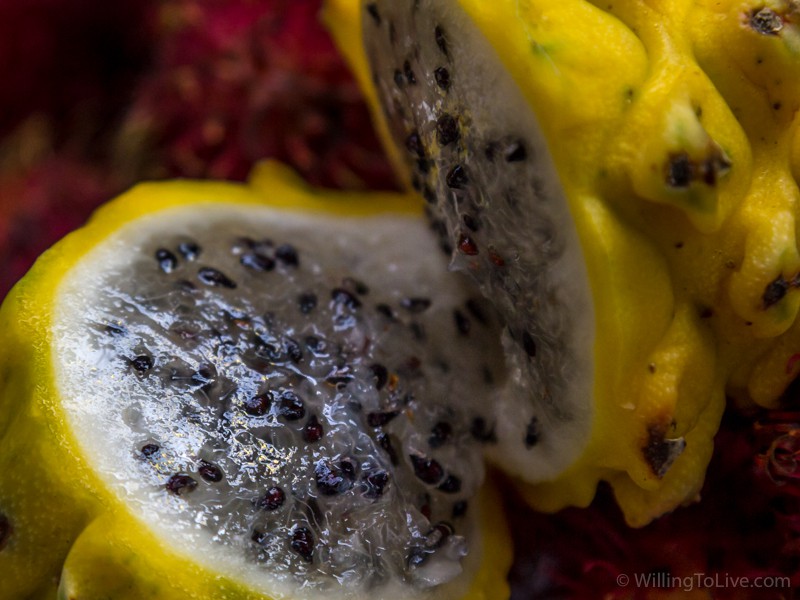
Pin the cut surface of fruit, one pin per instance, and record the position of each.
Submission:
(282, 400)
(596, 171)
(496, 202)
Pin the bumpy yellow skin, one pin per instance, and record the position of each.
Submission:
(71, 537)
(683, 276)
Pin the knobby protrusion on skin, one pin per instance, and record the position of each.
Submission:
(766, 21)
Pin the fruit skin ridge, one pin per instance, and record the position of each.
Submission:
(60, 512)
(629, 95)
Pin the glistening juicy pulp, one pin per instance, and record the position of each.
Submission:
(187, 406)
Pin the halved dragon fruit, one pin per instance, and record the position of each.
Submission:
(221, 390)
(585, 165)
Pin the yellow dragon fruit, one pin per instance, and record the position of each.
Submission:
(219, 390)
(621, 179)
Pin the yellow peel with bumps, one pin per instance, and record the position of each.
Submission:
(70, 533)
(695, 282)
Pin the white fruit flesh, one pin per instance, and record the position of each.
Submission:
(476, 152)
(213, 349)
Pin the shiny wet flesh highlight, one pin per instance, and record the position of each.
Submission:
(295, 395)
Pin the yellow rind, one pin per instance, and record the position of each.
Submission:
(69, 531)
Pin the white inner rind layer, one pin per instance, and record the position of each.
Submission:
(361, 543)
(430, 63)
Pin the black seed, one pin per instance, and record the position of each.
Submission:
(345, 298)
(258, 406)
(680, 170)
(440, 434)
(386, 311)
(375, 484)
(150, 450)
(116, 330)
(303, 543)
(528, 344)
(424, 166)
(416, 558)
(349, 467)
(5, 531)
(775, 292)
(181, 483)
(426, 469)
(766, 21)
(532, 433)
(259, 537)
(470, 222)
(416, 305)
(307, 302)
(481, 431)
(385, 442)
(475, 309)
(438, 535)
(287, 255)
(257, 262)
(331, 480)
(462, 322)
(203, 377)
(268, 350)
(292, 407)
(142, 364)
(215, 278)
(447, 130)
(361, 288)
(167, 261)
(466, 245)
(451, 485)
(340, 376)
(381, 375)
(315, 345)
(273, 499)
(313, 431)
(209, 471)
(442, 76)
(379, 419)
(441, 39)
(460, 508)
(410, 77)
(515, 152)
(414, 145)
(399, 80)
(457, 177)
(189, 250)
(293, 350)
(372, 9)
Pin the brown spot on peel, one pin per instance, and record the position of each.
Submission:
(659, 451)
